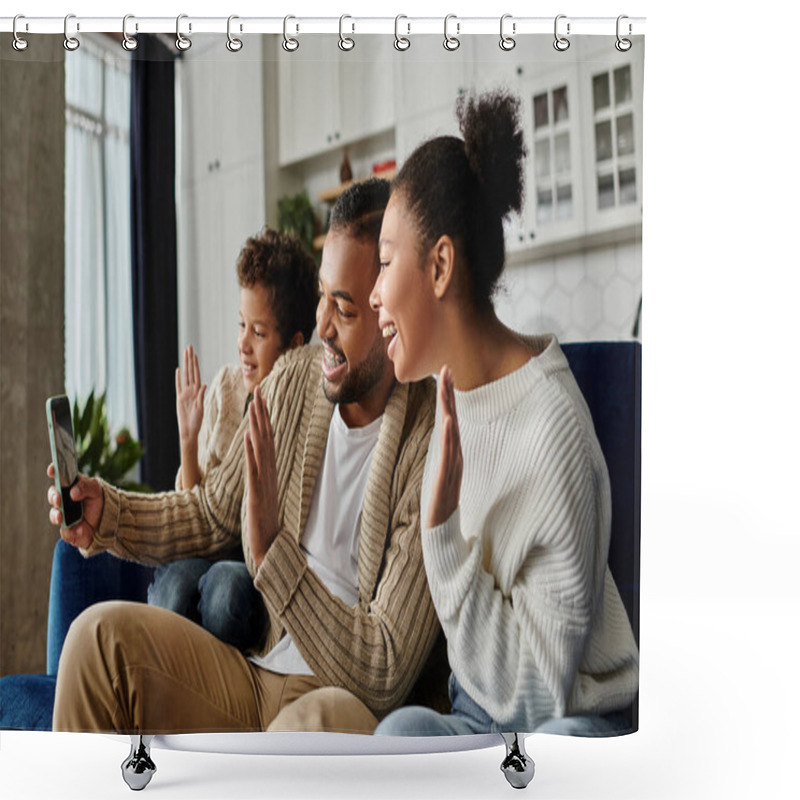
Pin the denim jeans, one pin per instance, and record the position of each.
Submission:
(467, 717)
(220, 596)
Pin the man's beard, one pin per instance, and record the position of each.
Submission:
(359, 381)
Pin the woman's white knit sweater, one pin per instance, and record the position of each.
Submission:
(518, 574)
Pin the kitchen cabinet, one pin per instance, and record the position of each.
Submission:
(433, 78)
(584, 138)
(327, 99)
(216, 128)
(612, 132)
(220, 198)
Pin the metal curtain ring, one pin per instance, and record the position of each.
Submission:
(623, 45)
(70, 42)
(233, 44)
(182, 42)
(507, 42)
(128, 42)
(561, 43)
(451, 42)
(401, 42)
(18, 43)
(345, 42)
(289, 44)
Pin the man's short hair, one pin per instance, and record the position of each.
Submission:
(359, 210)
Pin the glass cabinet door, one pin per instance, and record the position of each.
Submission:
(554, 176)
(613, 130)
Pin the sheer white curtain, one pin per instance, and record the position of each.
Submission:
(98, 304)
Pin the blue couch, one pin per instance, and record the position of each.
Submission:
(609, 374)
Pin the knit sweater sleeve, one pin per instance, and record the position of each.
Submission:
(374, 649)
(520, 650)
(203, 521)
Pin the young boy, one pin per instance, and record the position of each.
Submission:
(278, 302)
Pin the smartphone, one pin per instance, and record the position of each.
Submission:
(62, 451)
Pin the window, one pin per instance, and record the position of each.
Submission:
(614, 143)
(98, 297)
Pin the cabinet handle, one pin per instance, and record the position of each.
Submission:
(336, 135)
(330, 138)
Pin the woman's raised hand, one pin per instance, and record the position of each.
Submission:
(447, 488)
(189, 397)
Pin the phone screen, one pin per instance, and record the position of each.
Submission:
(64, 456)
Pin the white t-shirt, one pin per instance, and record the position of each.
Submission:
(330, 538)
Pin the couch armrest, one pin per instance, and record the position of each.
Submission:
(77, 582)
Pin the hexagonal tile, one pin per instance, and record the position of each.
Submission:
(619, 302)
(540, 278)
(557, 305)
(629, 262)
(570, 272)
(602, 266)
(587, 305)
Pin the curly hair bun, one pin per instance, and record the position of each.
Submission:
(495, 146)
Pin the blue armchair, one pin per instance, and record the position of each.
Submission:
(26, 701)
(609, 375)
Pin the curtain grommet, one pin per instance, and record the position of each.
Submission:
(18, 43)
(129, 43)
(71, 43)
(451, 43)
(346, 43)
(507, 43)
(561, 43)
(183, 43)
(401, 43)
(622, 44)
(233, 44)
(289, 43)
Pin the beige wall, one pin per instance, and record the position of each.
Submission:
(31, 334)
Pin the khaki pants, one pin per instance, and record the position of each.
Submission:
(133, 668)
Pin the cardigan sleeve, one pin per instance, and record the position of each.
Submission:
(375, 651)
(522, 649)
(158, 528)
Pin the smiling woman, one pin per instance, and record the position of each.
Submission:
(516, 501)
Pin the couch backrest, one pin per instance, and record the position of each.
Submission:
(610, 377)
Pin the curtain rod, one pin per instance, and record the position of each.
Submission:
(349, 25)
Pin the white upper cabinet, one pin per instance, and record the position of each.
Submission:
(327, 97)
(366, 88)
(580, 109)
(221, 194)
(431, 77)
(582, 132)
(219, 130)
(554, 206)
(612, 132)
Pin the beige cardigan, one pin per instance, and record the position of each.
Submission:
(375, 649)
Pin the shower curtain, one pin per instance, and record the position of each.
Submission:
(266, 135)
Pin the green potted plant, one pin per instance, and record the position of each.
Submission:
(98, 455)
(296, 215)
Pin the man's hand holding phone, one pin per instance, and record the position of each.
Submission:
(90, 492)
